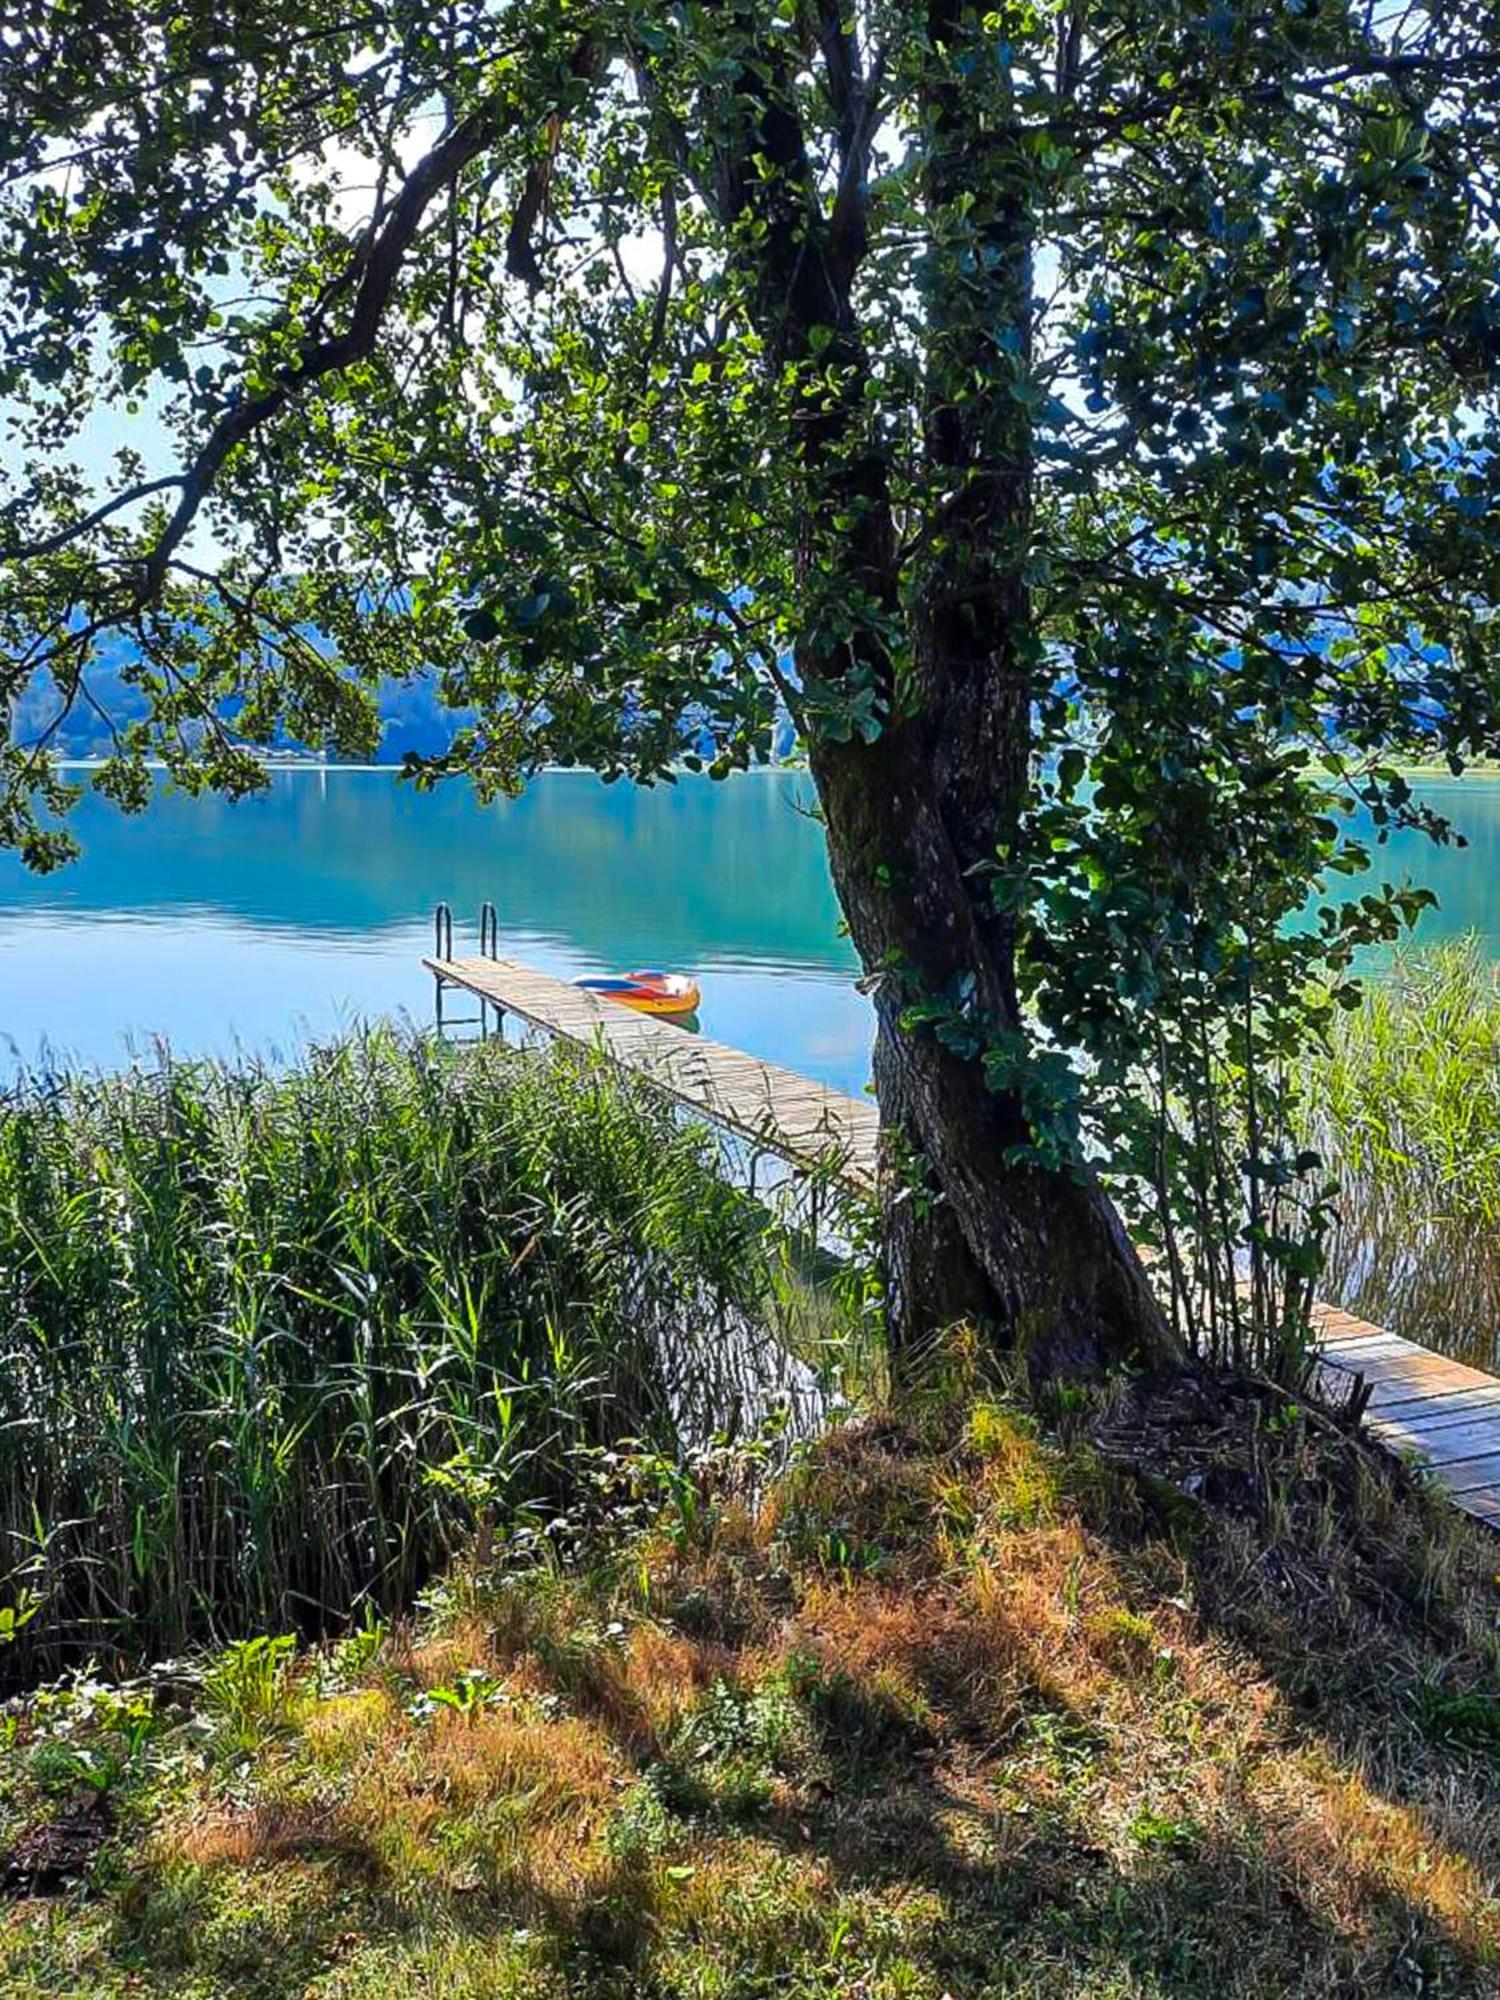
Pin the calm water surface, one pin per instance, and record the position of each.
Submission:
(309, 908)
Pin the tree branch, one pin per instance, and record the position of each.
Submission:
(848, 225)
(839, 41)
(1069, 50)
(668, 263)
(521, 260)
(60, 537)
(381, 263)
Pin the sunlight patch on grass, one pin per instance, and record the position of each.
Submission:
(1003, 1760)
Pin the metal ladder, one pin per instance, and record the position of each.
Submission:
(489, 947)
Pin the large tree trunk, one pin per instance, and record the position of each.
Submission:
(1037, 1257)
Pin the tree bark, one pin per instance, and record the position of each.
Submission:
(1038, 1257)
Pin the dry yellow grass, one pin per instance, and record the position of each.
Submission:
(956, 1711)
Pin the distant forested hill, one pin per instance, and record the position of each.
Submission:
(412, 717)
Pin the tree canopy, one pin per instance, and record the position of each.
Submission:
(1078, 416)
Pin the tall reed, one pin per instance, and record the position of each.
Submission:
(1406, 1112)
(269, 1342)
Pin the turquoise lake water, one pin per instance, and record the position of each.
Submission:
(255, 925)
(310, 906)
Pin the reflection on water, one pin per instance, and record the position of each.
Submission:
(219, 925)
(252, 924)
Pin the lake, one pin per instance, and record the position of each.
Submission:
(287, 915)
(310, 906)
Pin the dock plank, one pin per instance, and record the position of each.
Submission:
(1469, 1475)
(1437, 1412)
(1419, 1401)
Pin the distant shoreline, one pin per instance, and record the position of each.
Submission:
(274, 764)
(268, 764)
(1439, 774)
(1435, 774)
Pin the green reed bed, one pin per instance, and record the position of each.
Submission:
(1406, 1111)
(271, 1342)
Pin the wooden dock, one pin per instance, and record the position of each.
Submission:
(1419, 1401)
(774, 1110)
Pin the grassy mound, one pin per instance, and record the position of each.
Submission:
(1167, 1700)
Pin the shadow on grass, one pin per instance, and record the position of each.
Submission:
(912, 1854)
(989, 1796)
(1366, 1599)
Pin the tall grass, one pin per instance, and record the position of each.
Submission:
(1406, 1112)
(270, 1342)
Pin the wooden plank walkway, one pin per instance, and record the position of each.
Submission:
(1419, 1401)
(772, 1108)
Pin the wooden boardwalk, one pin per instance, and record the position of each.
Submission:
(1419, 1401)
(773, 1109)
